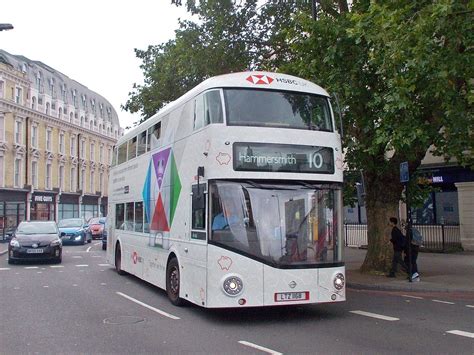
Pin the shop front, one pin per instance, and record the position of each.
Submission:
(68, 206)
(43, 206)
(12, 210)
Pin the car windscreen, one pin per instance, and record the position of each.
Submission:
(37, 228)
(70, 223)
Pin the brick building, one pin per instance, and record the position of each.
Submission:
(56, 142)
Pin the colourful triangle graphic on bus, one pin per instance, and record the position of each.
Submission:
(146, 193)
(159, 222)
(175, 188)
(160, 160)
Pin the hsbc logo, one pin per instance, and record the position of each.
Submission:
(260, 79)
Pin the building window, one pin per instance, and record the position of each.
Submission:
(92, 152)
(83, 180)
(82, 149)
(72, 179)
(17, 173)
(47, 108)
(48, 176)
(34, 136)
(34, 174)
(101, 154)
(101, 183)
(2, 128)
(18, 132)
(19, 96)
(110, 156)
(49, 134)
(61, 178)
(73, 146)
(2, 173)
(2, 89)
(61, 143)
(92, 187)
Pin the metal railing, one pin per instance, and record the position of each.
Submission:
(436, 237)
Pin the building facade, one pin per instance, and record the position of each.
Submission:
(56, 144)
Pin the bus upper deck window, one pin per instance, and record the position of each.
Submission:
(141, 144)
(132, 148)
(154, 134)
(122, 153)
(212, 107)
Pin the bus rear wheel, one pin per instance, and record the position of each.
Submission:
(173, 281)
(118, 260)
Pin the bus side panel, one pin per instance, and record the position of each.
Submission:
(327, 291)
(221, 264)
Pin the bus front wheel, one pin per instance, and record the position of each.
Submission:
(172, 282)
(118, 260)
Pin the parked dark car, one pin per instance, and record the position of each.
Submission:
(35, 240)
(96, 227)
(74, 231)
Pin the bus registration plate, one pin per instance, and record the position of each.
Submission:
(291, 296)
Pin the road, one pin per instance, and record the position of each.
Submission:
(84, 306)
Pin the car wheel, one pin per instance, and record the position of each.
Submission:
(118, 260)
(173, 281)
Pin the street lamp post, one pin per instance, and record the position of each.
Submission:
(6, 26)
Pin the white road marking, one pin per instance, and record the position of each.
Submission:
(88, 249)
(74, 285)
(445, 302)
(97, 243)
(375, 315)
(16, 288)
(416, 297)
(103, 284)
(46, 286)
(461, 333)
(163, 313)
(82, 265)
(39, 272)
(258, 347)
(4, 268)
(96, 256)
(56, 266)
(103, 264)
(31, 267)
(77, 256)
(469, 306)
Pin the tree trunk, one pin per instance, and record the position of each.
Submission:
(382, 202)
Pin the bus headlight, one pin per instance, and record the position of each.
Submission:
(233, 285)
(339, 281)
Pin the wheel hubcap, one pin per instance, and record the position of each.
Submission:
(174, 281)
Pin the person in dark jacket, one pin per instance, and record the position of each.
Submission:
(398, 241)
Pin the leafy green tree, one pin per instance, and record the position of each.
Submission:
(404, 75)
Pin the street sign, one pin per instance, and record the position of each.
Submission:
(404, 174)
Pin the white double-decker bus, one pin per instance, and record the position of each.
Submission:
(230, 196)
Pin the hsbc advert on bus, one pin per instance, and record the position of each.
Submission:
(283, 158)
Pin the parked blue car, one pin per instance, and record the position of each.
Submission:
(74, 231)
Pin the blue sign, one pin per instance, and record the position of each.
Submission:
(404, 174)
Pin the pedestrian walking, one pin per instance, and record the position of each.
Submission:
(399, 242)
(416, 242)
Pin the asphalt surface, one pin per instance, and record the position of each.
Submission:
(84, 306)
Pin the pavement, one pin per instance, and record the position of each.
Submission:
(439, 272)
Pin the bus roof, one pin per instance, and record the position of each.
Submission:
(250, 79)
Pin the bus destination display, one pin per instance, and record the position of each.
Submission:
(283, 158)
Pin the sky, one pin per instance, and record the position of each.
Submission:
(90, 41)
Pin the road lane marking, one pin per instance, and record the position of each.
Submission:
(77, 256)
(97, 244)
(469, 306)
(96, 256)
(103, 264)
(375, 315)
(3, 252)
(416, 297)
(445, 302)
(4, 268)
(74, 285)
(31, 267)
(159, 311)
(259, 347)
(45, 286)
(82, 265)
(103, 284)
(461, 333)
(56, 266)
